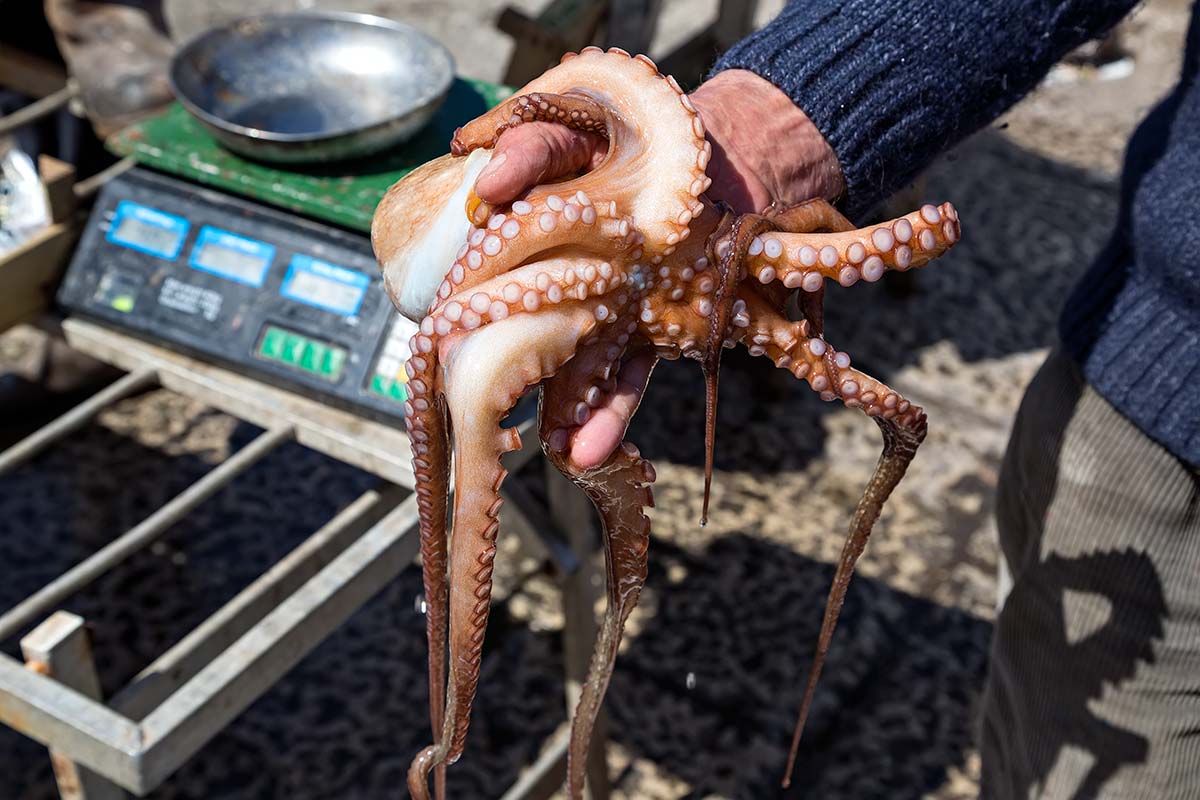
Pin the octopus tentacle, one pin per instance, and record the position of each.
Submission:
(524, 350)
(527, 289)
(430, 439)
(805, 261)
(577, 112)
(900, 443)
(726, 249)
(655, 167)
(619, 489)
(903, 426)
(531, 227)
(809, 217)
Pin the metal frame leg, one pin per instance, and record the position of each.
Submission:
(61, 649)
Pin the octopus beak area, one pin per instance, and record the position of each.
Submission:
(485, 371)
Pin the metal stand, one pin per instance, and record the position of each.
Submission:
(188, 694)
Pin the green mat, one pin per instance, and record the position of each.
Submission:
(345, 193)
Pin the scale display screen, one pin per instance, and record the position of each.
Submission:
(148, 230)
(231, 256)
(324, 285)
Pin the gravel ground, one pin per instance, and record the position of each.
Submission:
(706, 686)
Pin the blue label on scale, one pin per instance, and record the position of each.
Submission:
(148, 230)
(231, 256)
(324, 285)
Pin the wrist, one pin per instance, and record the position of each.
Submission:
(765, 148)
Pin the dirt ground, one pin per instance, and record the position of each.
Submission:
(704, 695)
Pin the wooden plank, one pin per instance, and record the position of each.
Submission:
(29, 74)
(60, 648)
(30, 274)
(564, 25)
(58, 178)
(631, 24)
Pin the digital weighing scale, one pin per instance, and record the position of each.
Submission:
(255, 291)
(294, 302)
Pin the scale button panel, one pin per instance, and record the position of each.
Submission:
(302, 352)
(389, 379)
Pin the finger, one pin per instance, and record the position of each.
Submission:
(593, 443)
(535, 152)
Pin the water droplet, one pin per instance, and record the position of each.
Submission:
(419, 604)
(690, 681)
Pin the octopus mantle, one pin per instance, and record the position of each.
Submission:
(557, 290)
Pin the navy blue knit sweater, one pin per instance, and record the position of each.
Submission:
(892, 83)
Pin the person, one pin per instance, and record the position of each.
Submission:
(1099, 495)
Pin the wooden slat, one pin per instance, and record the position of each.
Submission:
(29, 74)
(30, 274)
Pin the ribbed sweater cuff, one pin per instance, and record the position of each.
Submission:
(1141, 354)
(892, 83)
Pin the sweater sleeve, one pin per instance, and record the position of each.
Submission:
(892, 83)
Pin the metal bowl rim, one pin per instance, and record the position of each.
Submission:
(274, 136)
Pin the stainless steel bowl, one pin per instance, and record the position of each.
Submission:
(312, 86)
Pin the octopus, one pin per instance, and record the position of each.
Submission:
(556, 290)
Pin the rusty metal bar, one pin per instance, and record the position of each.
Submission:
(140, 536)
(60, 717)
(75, 419)
(172, 669)
(251, 665)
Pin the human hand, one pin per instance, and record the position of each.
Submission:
(765, 151)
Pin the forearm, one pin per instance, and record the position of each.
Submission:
(891, 83)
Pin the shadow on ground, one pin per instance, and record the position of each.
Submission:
(709, 689)
(894, 711)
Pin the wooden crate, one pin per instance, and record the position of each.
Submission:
(30, 274)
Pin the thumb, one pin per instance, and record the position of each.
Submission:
(533, 153)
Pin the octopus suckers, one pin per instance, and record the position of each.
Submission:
(883, 239)
(873, 269)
